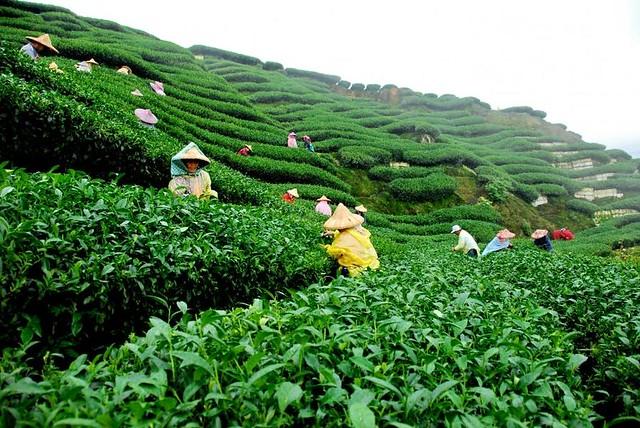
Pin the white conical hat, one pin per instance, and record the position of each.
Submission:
(342, 218)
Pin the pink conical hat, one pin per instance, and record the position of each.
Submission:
(505, 234)
(539, 233)
(157, 87)
(146, 116)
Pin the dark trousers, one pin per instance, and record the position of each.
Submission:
(472, 253)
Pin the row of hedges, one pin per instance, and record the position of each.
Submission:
(221, 53)
(362, 157)
(525, 109)
(482, 231)
(582, 206)
(482, 212)
(86, 262)
(549, 189)
(538, 178)
(442, 155)
(329, 79)
(431, 188)
(387, 173)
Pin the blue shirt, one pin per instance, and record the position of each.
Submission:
(30, 50)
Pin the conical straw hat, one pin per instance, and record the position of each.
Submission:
(92, 61)
(293, 192)
(342, 218)
(505, 234)
(539, 233)
(137, 93)
(323, 198)
(361, 208)
(44, 40)
(248, 146)
(146, 116)
(194, 153)
(124, 70)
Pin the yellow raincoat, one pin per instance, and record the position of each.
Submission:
(353, 250)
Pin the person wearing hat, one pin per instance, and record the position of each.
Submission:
(189, 178)
(38, 45)
(86, 66)
(466, 243)
(158, 87)
(291, 140)
(361, 211)
(290, 196)
(245, 151)
(351, 246)
(500, 242)
(308, 144)
(146, 117)
(541, 239)
(322, 206)
(124, 70)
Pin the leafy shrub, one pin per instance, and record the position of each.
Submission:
(538, 178)
(362, 157)
(313, 192)
(525, 191)
(372, 88)
(329, 79)
(245, 77)
(496, 182)
(221, 53)
(481, 212)
(433, 187)
(549, 189)
(272, 66)
(525, 109)
(442, 155)
(88, 259)
(582, 206)
(344, 84)
(358, 87)
(387, 173)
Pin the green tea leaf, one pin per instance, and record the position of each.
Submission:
(361, 416)
(288, 393)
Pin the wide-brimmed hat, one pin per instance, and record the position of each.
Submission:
(323, 198)
(293, 192)
(306, 138)
(92, 62)
(361, 209)
(124, 70)
(146, 116)
(189, 152)
(505, 234)
(44, 40)
(539, 233)
(137, 93)
(249, 147)
(455, 228)
(342, 218)
(158, 87)
(292, 134)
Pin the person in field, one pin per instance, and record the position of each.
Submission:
(322, 206)
(290, 196)
(308, 144)
(362, 212)
(86, 66)
(146, 117)
(541, 239)
(38, 45)
(245, 151)
(124, 70)
(562, 234)
(351, 246)
(466, 244)
(500, 242)
(189, 178)
(291, 140)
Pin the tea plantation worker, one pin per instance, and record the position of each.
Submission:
(541, 239)
(291, 140)
(290, 196)
(189, 178)
(308, 144)
(158, 87)
(361, 211)
(466, 243)
(124, 70)
(86, 66)
(245, 151)
(563, 233)
(147, 118)
(500, 242)
(322, 206)
(351, 246)
(38, 45)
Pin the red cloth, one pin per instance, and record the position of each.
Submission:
(565, 234)
(288, 198)
(243, 151)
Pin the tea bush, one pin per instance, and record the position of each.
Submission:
(221, 53)
(443, 155)
(549, 189)
(387, 173)
(431, 188)
(362, 157)
(582, 206)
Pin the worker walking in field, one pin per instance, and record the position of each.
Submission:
(541, 239)
(466, 243)
(189, 178)
(351, 246)
(38, 45)
(500, 242)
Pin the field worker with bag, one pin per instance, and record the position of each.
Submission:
(466, 243)
(351, 246)
(38, 45)
(189, 178)
(500, 242)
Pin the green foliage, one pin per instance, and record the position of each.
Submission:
(443, 155)
(329, 79)
(91, 260)
(358, 87)
(549, 189)
(272, 66)
(582, 206)
(433, 187)
(538, 178)
(481, 212)
(362, 157)
(387, 173)
(525, 109)
(221, 53)
(373, 88)
(344, 84)
(496, 182)
(525, 191)
(313, 192)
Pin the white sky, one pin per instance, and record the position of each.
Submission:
(578, 60)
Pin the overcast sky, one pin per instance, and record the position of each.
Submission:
(578, 60)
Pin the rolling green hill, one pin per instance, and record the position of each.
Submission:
(124, 306)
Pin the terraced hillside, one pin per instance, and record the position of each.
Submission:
(122, 305)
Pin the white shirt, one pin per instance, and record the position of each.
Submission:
(466, 242)
(30, 50)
